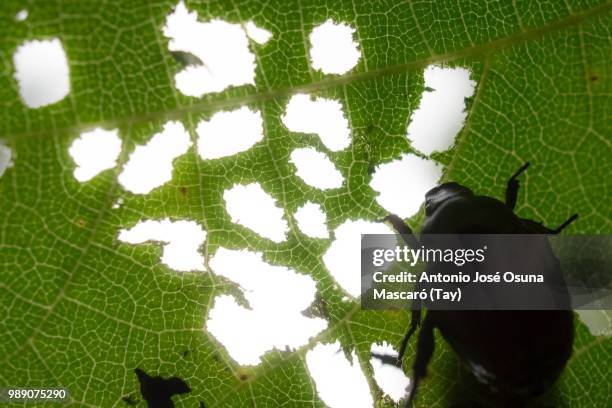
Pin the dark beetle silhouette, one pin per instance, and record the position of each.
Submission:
(158, 391)
(517, 354)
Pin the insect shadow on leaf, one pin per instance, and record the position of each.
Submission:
(158, 391)
(518, 354)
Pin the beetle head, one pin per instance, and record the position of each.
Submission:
(439, 194)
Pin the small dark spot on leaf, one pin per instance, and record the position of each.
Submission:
(244, 377)
(185, 353)
(202, 405)
(81, 223)
(594, 78)
(128, 399)
(158, 391)
(183, 190)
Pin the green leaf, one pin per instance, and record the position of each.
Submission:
(82, 310)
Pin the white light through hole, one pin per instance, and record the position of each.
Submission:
(340, 384)
(22, 15)
(333, 50)
(321, 116)
(441, 112)
(118, 203)
(150, 165)
(95, 151)
(182, 240)
(316, 169)
(6, 161)
(402, 183)
(599, 322)
(222, 47)
(390, 379)
(228, 133)
(250, 206)
(343, 258)
(311, 220)
(41, 69)
(259, 35)
(277, 295)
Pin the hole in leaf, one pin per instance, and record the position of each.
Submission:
(339, 383)
(21, 15)
(41, 70)
(95, 151)
(402, 183)
(333, 50)
(259, 35)
(6, 159)
(222, 47)
(311, 220)
(228, 133)
(250, 206)
(118, 203)
(150, 165)
(181, 239)
(390, 378)
(316, 169)
(321, 116)
(340, 258)
(277, 295)
(441, 112)
(599, 322)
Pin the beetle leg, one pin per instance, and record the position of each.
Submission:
(539, 228)
(414, 323)
(401, 228)
(513, 186)
(425, 349)
(565, 224)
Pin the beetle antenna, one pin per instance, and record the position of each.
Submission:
(565, 224)
(519, 171)
(513, 186)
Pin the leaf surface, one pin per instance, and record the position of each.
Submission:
(82, 310)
